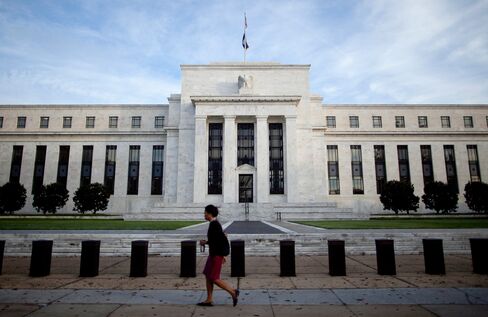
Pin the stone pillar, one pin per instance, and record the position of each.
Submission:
(262, 159)
(291, 159)
(230, 160)
(201, 159)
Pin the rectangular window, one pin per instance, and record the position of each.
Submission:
(245, 144)
(67, 121)
(377, 122)
(445, 121)
(427, 167)
(276, 166)
(400, 121)
(380, 167)
(451, 170)
(474, 164)
(63, 164)
(159, 122)
(136, 122)
(109, 174)
(44, 123)
(21, 122)
(113, 122)
(39, 164)
(331, 121)
(133, 181)
(86, 165)
(468, 121)
(90, 122)
(403, 163)
(423, 122)
(16, 164)
(333, 170)
(1, 122)
(357, 170)
(157, 170)
(214, 186)
(353, 121)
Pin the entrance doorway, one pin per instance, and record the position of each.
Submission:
(245, 188)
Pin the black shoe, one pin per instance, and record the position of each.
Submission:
(236, 299)
(206, 304)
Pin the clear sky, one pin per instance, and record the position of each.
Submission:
(371, 51)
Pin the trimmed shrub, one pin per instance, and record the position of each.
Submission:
(476, 194)
(399, 196)
(440, 197)
(50, 198)
(12, 197)
(93, 197)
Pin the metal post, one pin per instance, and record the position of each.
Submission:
(138, 258)
(479, 255)
(237, 259)
(385, 257)
(90, 258)
(337, 257)
(188, 264)
(287, 258)
(40, 264)
(434, 256)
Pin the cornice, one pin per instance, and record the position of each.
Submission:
(245, 99)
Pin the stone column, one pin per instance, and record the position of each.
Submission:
(291, 159)
(262, 159)
(201, 159)
(230, 160)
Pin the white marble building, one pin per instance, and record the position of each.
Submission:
(243, 131)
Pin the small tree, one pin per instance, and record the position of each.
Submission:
(440, 197)
(476, 194)
(399, 196)
(50, 198)
(93, 197)
(12, 197)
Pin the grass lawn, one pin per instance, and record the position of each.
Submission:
(409, 223)
(90, 224)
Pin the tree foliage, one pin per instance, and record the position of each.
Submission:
(476, 194)
(440, 197)
(50, 198)
(399, 196)
(12, 197)
(93, 197)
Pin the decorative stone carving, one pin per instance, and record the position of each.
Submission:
(245, 84)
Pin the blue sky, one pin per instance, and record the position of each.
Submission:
(375, 51)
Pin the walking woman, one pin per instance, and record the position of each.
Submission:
(218, 248)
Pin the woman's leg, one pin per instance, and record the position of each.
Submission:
(209, 291)
(223, 285)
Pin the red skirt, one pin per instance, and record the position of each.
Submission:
(213, 267)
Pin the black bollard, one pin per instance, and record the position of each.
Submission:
(287, 258)
(385, 257)
(2, 250)
(188, 264)
(337, 258)
(479, 255)
(40, 264)
(138, 258)
(434, 256)
(237, 259)
(90, 258)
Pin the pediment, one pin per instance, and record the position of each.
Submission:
(246, 168)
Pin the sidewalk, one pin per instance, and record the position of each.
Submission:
(263, 293)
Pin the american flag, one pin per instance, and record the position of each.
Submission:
(244, 39)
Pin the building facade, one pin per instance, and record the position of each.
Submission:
(248, 137)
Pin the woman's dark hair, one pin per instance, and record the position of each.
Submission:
(211, 209)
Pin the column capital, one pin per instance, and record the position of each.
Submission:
(261, 117)
(229, 117)
(201, 117)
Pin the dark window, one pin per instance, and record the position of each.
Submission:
(245, 188)
(380, 167)
(333, 170)
(157, 170)
(446, 121)
(44, 123)
(86, 165)
(331, 121)
(159, 122)
(354, 121)
(16, 164)
(136, 122)
(403, 163)
(451, 170)
(109, 174)
(90, 122)
(39, 164)
(276, 166)
(245, 144)
(427, 167)
(67, 121)
(357, 170)
(377, 122)
(400, 121)
(486, 121)
(21, 122)
(113, 122)
(133, 181)
(474, 164)
(1, 122)
(63, 165)
(423, 122)
(214, 159)
(468, 121)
